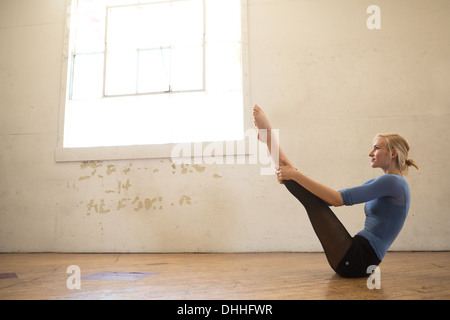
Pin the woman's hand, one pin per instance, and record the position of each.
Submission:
(287, 172)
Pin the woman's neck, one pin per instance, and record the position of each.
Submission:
(393, 171)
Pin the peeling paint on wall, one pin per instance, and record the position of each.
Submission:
(110, 169)
(119, 193)
(91, 164)
(185, 199)
(186, 168)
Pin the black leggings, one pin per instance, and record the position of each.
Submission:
(348, 256)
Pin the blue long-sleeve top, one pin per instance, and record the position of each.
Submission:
(387, 201)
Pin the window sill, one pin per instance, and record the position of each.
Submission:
(202, 152)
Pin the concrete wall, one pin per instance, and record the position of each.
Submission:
(326, 81)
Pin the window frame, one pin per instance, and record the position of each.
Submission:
(139, 50)
(155, 151)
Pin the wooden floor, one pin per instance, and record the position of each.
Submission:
(259, 276)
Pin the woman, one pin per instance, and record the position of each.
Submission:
(387, 201)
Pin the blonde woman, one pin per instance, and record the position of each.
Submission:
(386, 199)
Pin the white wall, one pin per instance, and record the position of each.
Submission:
(326, 81)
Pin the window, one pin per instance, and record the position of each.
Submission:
(141, 76)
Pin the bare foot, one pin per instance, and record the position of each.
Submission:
(262, 123)
(264, 135)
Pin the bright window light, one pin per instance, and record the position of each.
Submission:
(154, 72)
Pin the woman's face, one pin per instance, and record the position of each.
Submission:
(380, 157)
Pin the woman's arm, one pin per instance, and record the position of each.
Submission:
(325, 193)
(384, 186)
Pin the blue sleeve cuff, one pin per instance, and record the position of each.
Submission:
(346, 197)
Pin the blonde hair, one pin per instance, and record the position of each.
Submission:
(396, 142)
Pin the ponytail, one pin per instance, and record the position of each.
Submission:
(411, 163)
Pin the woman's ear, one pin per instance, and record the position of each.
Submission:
(394, 153)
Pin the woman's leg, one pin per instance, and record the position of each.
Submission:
(332, 234)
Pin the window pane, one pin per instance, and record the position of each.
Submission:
(223, 67)
(187, 68)
(90, 26)
(87, 79)
(121, 73)
(122, 29)
(187, 22)
(154, 26)
(84, 5)
(223, 20)
(154, 70)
